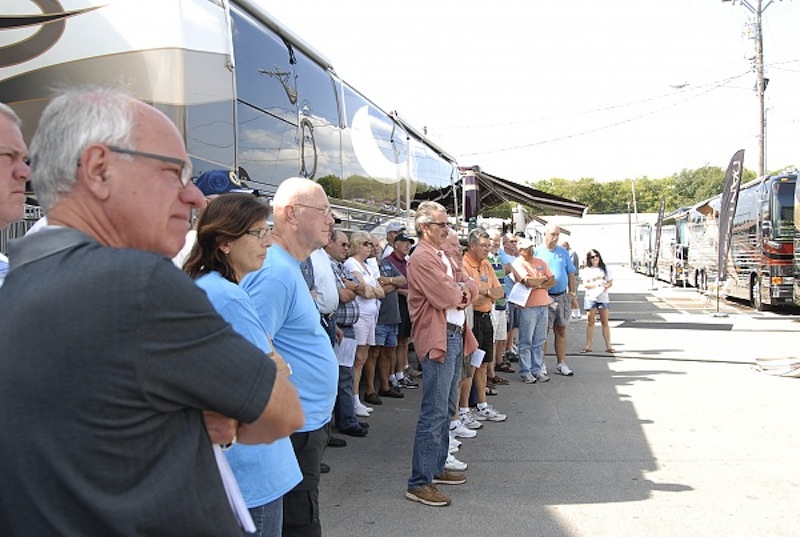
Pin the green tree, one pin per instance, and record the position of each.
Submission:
(332, 186)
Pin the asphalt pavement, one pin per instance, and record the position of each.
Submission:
(677, 434)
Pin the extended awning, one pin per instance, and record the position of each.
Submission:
(495, 190)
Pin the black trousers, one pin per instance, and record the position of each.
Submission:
(301, 504)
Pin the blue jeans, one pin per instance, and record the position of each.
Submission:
(440, 382)
(268, 518)
(532, 337)
(343, 411)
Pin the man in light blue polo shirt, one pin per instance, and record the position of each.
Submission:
(557, 258)
(280, 294)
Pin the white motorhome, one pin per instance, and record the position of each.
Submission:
(247, 94)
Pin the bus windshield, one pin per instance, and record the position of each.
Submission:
(783, 210)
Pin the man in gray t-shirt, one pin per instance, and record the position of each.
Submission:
(117, 374)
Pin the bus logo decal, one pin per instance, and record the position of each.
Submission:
(52, 20)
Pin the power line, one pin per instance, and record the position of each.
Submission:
(697, 94)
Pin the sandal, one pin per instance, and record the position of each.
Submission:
(498, 381)
(505, 367)
(491, 391)
(610, 350)
(584, 351)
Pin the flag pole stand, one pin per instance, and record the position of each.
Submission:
(718, 313)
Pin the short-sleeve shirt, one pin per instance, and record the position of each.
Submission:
(537, 268)
(389, 312)
(109, 358)
(366, 306)
(289, 314)
(596, 277)
(560, 264)
(264, 472)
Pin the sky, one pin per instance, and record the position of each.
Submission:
(535, 89)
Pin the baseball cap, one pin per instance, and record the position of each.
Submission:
(221, 182)
(525, 243)
(403, 236)
(395, 226)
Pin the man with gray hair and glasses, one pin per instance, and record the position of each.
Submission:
(438, 292)
(135, 374)
(14, 172)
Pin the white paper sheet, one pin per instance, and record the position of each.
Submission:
(519, 294)
(346, 352)
(232, 490)
(476, 358)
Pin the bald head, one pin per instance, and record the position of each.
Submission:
(292, 191)
(303, 218)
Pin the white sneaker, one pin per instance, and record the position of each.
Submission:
(469, 421)
(454, 445)
(542, 377)
(454, 441)
(490, 414)
(563, 369)
(361, 411)
(454, 465)
(459, 430)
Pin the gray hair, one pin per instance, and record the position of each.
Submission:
(494, 233)
(10, 114)
(476, 235)
(74, 120)
(425, 214)
(356, 239)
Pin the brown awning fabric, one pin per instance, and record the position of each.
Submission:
(496, 190)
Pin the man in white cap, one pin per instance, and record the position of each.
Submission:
(393, 229)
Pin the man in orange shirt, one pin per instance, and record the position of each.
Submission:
(477, 267)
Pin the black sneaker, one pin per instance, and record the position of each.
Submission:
(335, 441)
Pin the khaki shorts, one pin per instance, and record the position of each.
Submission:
(500, 324)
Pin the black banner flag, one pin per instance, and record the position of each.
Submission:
(727, 210)
(657, 246)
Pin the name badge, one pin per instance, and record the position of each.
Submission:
(484, 279)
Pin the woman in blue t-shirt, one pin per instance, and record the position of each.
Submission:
(232, 240)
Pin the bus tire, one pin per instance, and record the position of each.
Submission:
(755, 293)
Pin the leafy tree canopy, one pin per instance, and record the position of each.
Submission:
(686, 188)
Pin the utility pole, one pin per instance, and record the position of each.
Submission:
(760, 87)
(761, 83)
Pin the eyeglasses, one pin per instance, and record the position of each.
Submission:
(441, 225)
(326, 211)
(184, 174)
(259, 233)
(367, 243)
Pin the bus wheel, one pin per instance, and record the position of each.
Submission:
(755, 293)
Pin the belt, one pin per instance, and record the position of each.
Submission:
(328, 316)
(557, 294)
(455, 328)
(483, 313)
